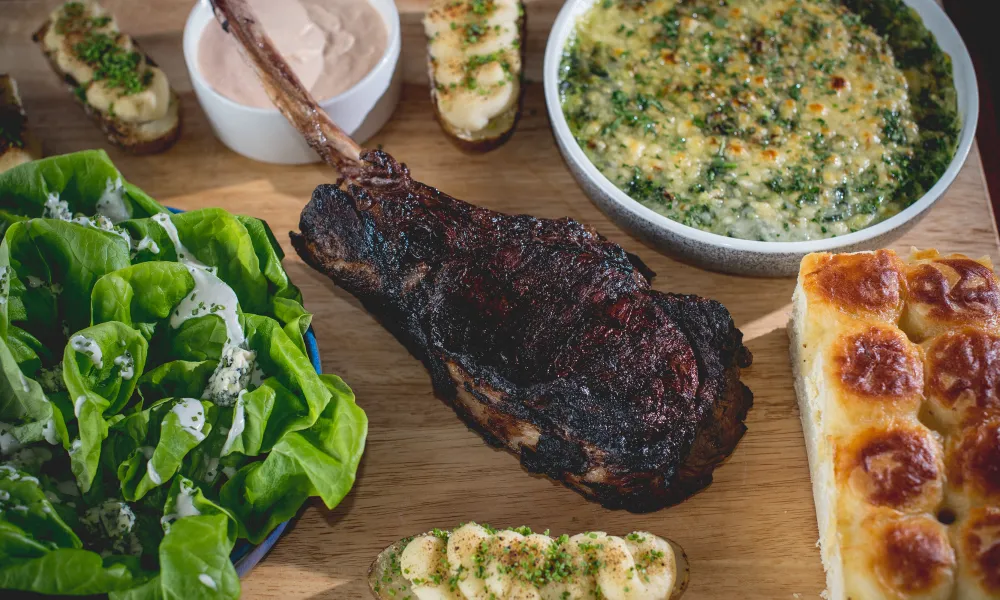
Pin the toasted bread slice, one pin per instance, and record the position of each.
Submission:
(17, 145)
(140, 114)
(475, 64)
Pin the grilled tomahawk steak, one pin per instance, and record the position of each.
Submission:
(544, 336)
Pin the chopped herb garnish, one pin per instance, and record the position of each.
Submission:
(113, 65)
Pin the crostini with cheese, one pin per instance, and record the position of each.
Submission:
(475, 59)
(477, 561)
(117, 84)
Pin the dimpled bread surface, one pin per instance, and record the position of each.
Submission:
(897, 372)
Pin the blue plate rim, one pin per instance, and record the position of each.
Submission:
(245, 556)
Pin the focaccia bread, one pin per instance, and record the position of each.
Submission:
(897, 372)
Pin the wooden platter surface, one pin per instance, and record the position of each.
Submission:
(751, 535)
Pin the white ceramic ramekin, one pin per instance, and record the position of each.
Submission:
(747, 257)
(263, 133)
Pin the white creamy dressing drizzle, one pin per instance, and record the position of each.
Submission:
(78, 405)
(183, 505)
(49, 432)
(85, 345)
(210, 295)
(111, 204)
(75, 446)
(183, 254)
(207, 581)
(239, 423)
(111, 209)
(191, 415)
(146, 243)
(104, 224)
(127, 366)
(152, 474)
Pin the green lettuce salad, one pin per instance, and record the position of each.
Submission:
(157, 402)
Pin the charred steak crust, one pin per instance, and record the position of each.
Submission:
(544, 336)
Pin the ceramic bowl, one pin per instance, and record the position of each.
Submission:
(263, 133)
(747, 257)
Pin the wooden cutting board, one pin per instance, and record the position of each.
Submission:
(751, 535)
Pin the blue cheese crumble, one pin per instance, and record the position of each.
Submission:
(110, 525)
(231, 376)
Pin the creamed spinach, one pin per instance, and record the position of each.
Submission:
(771, 120)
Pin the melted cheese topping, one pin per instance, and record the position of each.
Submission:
(476, 562)
(946, 292)
(771, 120)
(475, 57)
(78, 37)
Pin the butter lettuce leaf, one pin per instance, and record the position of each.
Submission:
(79, 179)
(66, 259)
(158, 404)
(320, 461)
(66, 571)
(141, 296)
(183, 424)
(26, 414)
(40, 552)
(99, 381)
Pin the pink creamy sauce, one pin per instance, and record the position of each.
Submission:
(330, 44)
